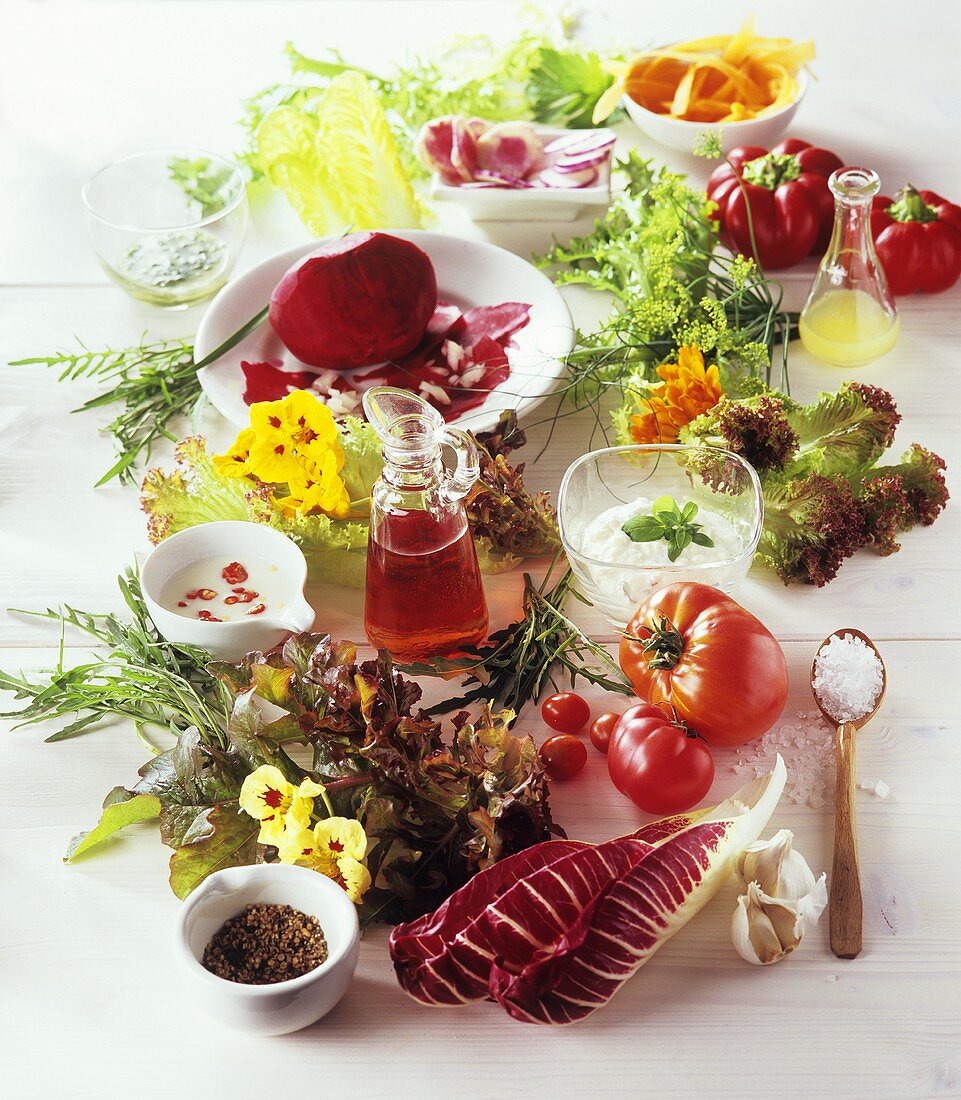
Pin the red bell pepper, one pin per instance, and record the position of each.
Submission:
(917, 236)
(781, 195)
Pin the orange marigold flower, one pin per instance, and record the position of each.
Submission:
(687, 390)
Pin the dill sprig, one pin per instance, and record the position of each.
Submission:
(655, 252)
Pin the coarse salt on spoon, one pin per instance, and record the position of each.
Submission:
(848, 679)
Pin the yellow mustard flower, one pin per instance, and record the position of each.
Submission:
(335, 847)
(687, 390)
(236, 462)
(267, 796)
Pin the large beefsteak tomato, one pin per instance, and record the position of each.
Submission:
(718, 666)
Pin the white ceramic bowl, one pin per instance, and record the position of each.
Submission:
(678, 133)
(534, 204)
(229, 641)
(285, 1006)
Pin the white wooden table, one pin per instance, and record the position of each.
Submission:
(89, 1003)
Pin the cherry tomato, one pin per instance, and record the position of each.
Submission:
(563, 756)
(660, 765)
(601, 729)
(718, 666)
(566, 712)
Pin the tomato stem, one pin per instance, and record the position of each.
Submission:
(665, 646)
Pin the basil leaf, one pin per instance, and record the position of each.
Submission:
(664, 505)
(689, 511)
(701, 539)
(643, 529)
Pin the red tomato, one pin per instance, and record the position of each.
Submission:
(601, 730)
(566, 712)
(719, 667)
(563, 756)
(660, 765)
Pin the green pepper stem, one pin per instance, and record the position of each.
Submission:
(771, 170)
(908, 206)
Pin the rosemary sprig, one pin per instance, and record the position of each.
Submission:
(520, 660)
(153, 383)
(141, 677)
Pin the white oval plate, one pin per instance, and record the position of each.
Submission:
(469, 273)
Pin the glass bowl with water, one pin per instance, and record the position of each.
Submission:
(167, 225)
(603, 489)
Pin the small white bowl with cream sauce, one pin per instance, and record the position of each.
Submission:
(229, 587)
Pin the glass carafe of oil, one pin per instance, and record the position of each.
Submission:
(850, 317)
(424, 592)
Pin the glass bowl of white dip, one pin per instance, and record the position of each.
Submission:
(604, 490)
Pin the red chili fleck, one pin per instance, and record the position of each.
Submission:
(239, 591)
(206, 593)
(204, 614)
(231, 600)
(234, 573)
(181, 603)
(258, 610)
(192, 595)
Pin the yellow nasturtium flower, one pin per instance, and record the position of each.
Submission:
(236, 462)
(293, 442)
(267, 796)
(317, 488)
(336, 847)
(301, 806)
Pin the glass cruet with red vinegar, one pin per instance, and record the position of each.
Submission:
(424, 592)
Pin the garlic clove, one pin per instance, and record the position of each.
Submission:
(764, 929)
(779, 870)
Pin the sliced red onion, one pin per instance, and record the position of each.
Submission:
(584, 178)
(500, 179)
(574, 163)
(581, 143)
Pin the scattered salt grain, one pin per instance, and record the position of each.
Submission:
(806, 744)
(848, 677)
(880, 789)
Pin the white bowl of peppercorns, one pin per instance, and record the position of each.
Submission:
(270, 948)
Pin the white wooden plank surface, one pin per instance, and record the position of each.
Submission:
(89, 1005)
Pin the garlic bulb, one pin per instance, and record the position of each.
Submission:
(783, 900)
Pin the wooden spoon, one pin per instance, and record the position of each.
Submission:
(845, 905)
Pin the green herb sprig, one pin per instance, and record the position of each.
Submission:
(152, 382)
(670, 522)
(141, 677)
(521, 660)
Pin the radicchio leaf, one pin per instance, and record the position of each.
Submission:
(559, 941)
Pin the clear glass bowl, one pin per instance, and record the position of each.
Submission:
(716, 480)
(167, 225)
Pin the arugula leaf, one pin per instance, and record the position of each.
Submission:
(120, 808)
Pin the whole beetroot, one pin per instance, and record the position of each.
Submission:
(356, 301)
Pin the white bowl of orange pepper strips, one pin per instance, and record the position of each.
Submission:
(268, 949)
